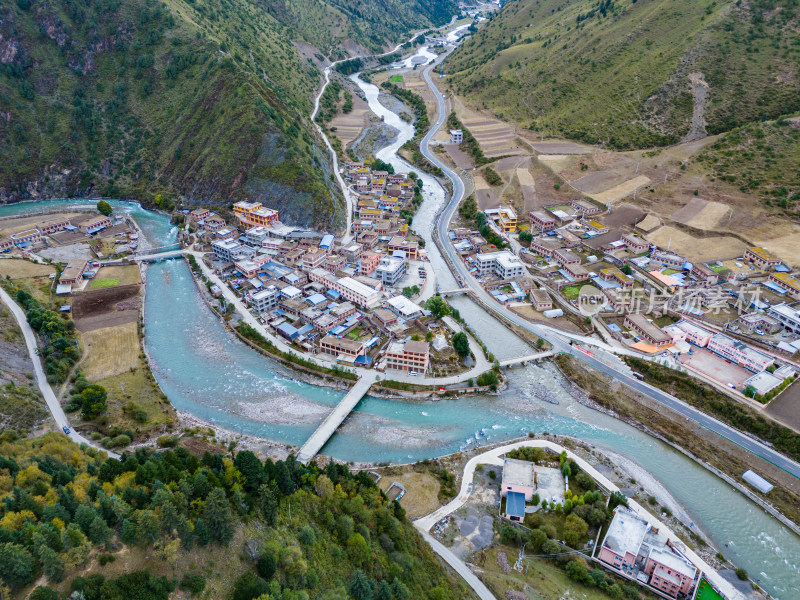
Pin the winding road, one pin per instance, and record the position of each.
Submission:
(562, 341)
(41, 380)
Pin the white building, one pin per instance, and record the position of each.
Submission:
(404, 308)
(456, 136)
(390, 270)
(504, 264)
(256, 235)
(225, 249)
(266, 300)
(789, 317)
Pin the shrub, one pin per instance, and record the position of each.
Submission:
(741, 574)
(193, 583)
(44, 593)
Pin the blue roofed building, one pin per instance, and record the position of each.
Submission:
(515, 506)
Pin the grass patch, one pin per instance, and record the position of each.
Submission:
(99, 284)
(571, 291)
(396, 79)
(706, 592)
(110, 351)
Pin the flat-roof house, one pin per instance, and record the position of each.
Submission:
(73, 272)
(614, 274)
(788, 317)
(761, 258)
(787, 282)
(585, 207)
(565, 257)
(399, 242)
(739, 353)
(646, 330)
(518, 476)
(408, 356)
(336, 347)
(95, 224)
(759, 322)
(623, 540)
(541, 220)
(545, 247)
(670, 573)
(503, 264)
(635, 244)
(515, 507)
(541, 299)
(404, 308)
(390, 270)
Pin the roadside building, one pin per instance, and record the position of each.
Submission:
(761, 258)
(788, 317)
(266, 299)
(739, 353)
(694, 334)
(503, 264)
(386, 317)
(399, 242)
(255, 236)
(213, 223)
(669, 572)
(338, 347)
(505, 217)
(759, 322)
(620, 547)
(542, 221)
(541, 299)
(198, 214)
(518, 476)
(646, 330)
(703, 274)
(225, 249)
(667, 259)
(408, 356)
(247, 268)
(456, 136)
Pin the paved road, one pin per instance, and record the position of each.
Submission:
(44, 387)
(562, 341)
(494, 457)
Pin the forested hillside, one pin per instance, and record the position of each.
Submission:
(632, 73)
(75, 525)
(206, 99)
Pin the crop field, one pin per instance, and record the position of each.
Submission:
(110, 351)
(396, 79)
(99, 284)
(695, 248)
(124, 274)
(96, 309)
(23, 269)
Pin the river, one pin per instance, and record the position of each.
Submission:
(208, 373)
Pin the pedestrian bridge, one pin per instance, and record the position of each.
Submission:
(523, 360)
(156, 256)
(331, 423)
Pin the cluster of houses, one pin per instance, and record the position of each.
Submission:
(31, 236)
(382, 199)
(319, 295)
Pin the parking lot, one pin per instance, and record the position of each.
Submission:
(716, 367)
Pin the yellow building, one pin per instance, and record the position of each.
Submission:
(507, 219)
(253, 213)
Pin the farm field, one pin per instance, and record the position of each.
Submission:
(110, 350)
(96, 309)
(124, 274)
(23, 269)
(422, 490)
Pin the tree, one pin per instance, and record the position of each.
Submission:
(360, 586)
(266, 565)
(52, 565)
(399, 590)
(249, 586)
(218, 516)
(575, 530)
(461, 344)
(626, 268)
(526, 237)
(16, 565)
(438, 307)
(43, 593)
(566, 471)
(252, 469)
(357, 549)
(104, 208)
(93, 401)
(269, 503)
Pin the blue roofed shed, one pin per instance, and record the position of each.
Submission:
(327, 241)
(288, 331)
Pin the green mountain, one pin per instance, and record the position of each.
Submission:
(633, 73)
(224, 527)
(207, 100)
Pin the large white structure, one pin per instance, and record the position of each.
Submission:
(224, 250)
(390, 270)
(404, 308)
(504, 264)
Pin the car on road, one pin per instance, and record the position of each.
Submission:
(66, 429)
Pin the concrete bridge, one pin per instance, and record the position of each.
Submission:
(157, 256)
(455, 292)
(522, 360)
(331, 423)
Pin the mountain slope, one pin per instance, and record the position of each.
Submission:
(632, 73)
(205, 99)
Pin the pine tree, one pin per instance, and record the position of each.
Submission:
(360, 586)
(218, 516)
(52, 565)
(269, 503)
